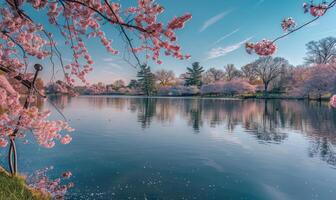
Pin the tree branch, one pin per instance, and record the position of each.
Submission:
(330, 5)
(18, 77)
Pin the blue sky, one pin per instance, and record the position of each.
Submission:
(217, 32)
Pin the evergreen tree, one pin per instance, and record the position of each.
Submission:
(133, 84)
(194, 75)
(146, 80)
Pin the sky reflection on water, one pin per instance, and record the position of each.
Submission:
(189, 148)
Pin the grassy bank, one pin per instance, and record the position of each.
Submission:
(15, 188)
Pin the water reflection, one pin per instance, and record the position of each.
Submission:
(268, 121)
(321, 147)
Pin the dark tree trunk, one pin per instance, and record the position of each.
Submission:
(265, 89)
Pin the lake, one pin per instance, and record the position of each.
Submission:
(192, 148)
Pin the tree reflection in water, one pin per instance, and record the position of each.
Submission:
(268, 121)
(146, 108)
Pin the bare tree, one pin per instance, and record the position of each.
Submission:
(231, 72)
(283, 82)
(322, 51)
(248, 72)
(118, 84)
(319, 80)
(267, 69)
(164, 77)
(213, 75)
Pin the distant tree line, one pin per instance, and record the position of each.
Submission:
(316, 78)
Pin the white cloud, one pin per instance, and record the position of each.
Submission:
(226, 36)
(222, 51)
(112, 59)
(213, 20)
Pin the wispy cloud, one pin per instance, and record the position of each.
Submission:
(67, 59)
(226, 36)
(213, 20)
(109, 59)
(115, 65)
(222, 51)
(113, 59)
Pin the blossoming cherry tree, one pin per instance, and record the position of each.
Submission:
(25, 40)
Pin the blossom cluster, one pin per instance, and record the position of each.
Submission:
(316, 10)
(267, 47)
(288, 24)
(262, 48)
(333, 101)
(156, 37)
(54, 187)
(17, 31)
(15, 116)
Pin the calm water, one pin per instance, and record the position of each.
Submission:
(186, 148)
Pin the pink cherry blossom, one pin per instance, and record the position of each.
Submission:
(288, 24)
(39, 180)
(3, 142)
(66, 139)
(316, 10)
(265, 48)
(262, 48)
(333, 101)
(67, 175)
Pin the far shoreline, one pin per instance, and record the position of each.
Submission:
(270, 97)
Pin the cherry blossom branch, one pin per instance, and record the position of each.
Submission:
(268, 47)
(18, 77)
(296, 29)
(19, 11)
(332, 4)
(107, 18)
(14, 41)
(124, 33)
(117, 21)
(23, 15)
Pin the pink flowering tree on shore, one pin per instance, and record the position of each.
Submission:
(232, 87)
(24, 40)
(268, 47)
